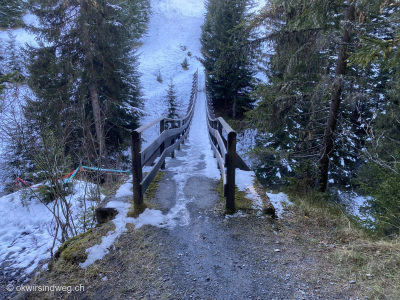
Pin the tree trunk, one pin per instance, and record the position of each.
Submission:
(327, 144)
(234, 107)
(94, 95)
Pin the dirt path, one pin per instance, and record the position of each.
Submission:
(210, 256)
(220, 257)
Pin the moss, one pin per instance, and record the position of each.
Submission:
(241, 201)
(152, 189)
(74, 249)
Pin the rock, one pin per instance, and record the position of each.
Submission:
(270, 210)
(352, 282)
(105, 214)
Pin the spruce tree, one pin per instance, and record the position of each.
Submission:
(302, 84)
(229, 76)
(171, 99)
(87, 66)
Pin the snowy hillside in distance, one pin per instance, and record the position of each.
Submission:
(21, 35)
(174, 30)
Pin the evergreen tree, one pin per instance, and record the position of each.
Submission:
(307, 73)
(84, 72)
(229, 76)
(4, 78)
(11, 12)
(171, 99)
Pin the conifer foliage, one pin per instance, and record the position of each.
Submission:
(171, 99)
(11, 12)
(229, 76)
(313, 101)
(328, 117)
(84, 72)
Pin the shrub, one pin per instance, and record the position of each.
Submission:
(383, 187)
(158, 76)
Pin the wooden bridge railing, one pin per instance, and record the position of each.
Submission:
(223, 143)
(173, 133)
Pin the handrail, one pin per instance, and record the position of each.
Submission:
(165, 144)
(224, 151)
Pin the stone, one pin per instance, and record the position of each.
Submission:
(105, 214)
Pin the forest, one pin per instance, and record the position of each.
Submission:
(325, 110)
(315, 83)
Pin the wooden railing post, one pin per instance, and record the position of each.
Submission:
(219, 128)
(162, 146)
(137, 168)
(173, 141)
(230, 171)
(214, 125)
(179, 125)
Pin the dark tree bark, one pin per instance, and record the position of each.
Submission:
(327, 144)
(94, 95)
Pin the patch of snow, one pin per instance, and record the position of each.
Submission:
(22, 36)
(285, 163)
(125, 189)
(245, 182)
(354, 202)
(279, 201)
(28, 227)
(238, 214)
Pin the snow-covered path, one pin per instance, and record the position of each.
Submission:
(196, 161)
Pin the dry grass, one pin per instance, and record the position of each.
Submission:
(373, 263)
(130, 267)
(241, 201)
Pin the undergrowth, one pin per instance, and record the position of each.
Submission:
(73, 251)
(372, 262)
(130, 269)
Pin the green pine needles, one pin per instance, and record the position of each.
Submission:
(84, 71)
(11, 12)
(229, 74)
